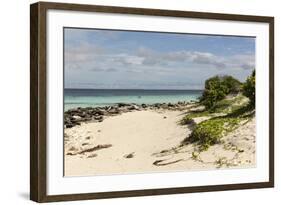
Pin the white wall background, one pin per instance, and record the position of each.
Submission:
(14, 101)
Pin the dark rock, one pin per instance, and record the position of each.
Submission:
(114, 111)
(87, 119)
(164, 106)
(157, 105)
(181, 103)
(123, 104)
(109, 108)
(67, 121)
(133, 107)
(98, 117)
(77, 123)
(171, 105)
(99, 112)
(69, 125)
(90, 112)
(75, 113)
(76, 117)
(83, 114)
(144, 105)
(71, 118)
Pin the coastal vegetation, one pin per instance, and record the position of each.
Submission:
(228, 104)
(249, 88)
(217, 87)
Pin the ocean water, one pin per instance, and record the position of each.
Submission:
(74, 98)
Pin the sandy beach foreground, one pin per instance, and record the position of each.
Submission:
(144, 141)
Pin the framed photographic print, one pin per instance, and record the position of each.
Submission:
(134, 102)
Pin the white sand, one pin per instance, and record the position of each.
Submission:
(141, 136)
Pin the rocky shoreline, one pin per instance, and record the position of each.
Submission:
(78, 115)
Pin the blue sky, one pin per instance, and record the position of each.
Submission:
(150, 60)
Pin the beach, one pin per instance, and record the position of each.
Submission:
(150, 140)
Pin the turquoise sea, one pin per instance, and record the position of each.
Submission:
(74, 98)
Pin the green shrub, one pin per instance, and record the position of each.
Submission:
(249, 88)
(211, 131)
(233, 85)
(187, 121)
(216, 88)
(227, 105)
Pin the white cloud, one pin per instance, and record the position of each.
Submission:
(82, 53)
(96, 58)
(248, 66)
(242, 61)
(151, 58)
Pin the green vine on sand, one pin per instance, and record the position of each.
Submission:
(235, 111)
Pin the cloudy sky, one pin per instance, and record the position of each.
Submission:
(149, 60)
